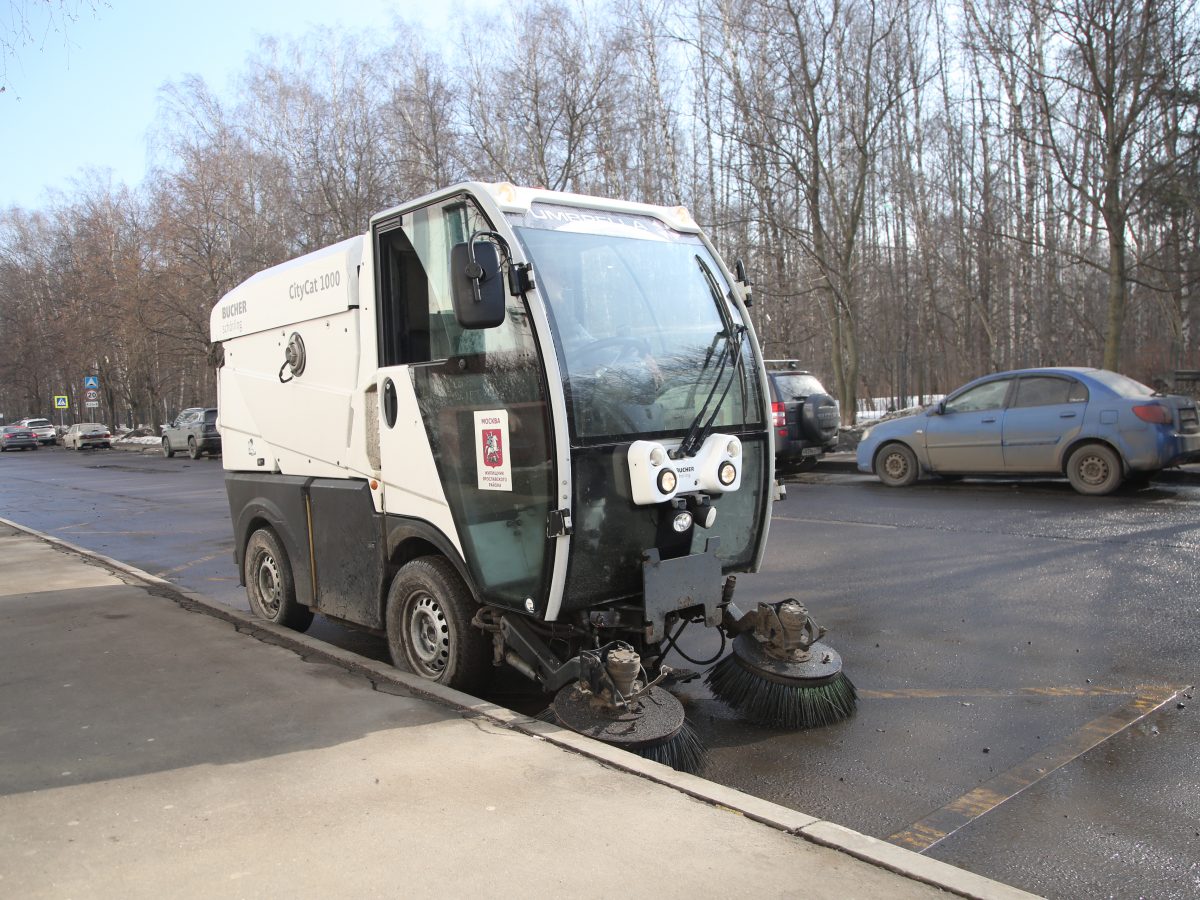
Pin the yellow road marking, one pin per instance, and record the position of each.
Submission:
(942, 823)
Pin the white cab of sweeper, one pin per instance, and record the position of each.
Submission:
(598, 402)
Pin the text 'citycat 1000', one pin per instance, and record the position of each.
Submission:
(515, 427)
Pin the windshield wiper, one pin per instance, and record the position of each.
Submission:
(731, 351)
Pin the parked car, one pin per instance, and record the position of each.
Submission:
(1096, 427)
(194, 430)
(17, 437)
(43, 430)
(87, 435)
(805, 416)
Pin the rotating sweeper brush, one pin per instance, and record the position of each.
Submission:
(612, 704)
(779, 673)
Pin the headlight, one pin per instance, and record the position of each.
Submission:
(682, 522)
(667, 480)
(866, 434)
(727, 473)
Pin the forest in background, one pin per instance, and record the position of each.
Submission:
(923, 192)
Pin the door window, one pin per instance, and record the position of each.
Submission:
(980, 397)
(1048, 390)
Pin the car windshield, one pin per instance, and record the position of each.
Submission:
(38, 423)
(91, 426)
(647, 337)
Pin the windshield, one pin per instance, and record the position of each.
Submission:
(646, 336)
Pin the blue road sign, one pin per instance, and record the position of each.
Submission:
(91, 381)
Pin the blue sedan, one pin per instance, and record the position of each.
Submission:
(1095, 427)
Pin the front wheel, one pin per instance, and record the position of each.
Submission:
(429, 630)
(269, 584)
(1094, 469)
(167, 451)
(896, 465)
(193, 448)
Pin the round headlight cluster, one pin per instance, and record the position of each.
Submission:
(727, 473)
(682, 522)
(667, 481)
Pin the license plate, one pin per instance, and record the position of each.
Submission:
(811, 451)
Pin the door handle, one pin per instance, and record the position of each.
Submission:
(1066, 415)
(389, 402)
(990, 421)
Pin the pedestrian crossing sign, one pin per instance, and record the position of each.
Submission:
(60, 402)
(91, 381)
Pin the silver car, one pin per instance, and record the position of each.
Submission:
(1096, 427)
(43, 430)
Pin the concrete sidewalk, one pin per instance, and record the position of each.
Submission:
(156, 744)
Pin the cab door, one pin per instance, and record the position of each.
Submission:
(464, 424)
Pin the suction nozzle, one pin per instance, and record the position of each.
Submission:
(779, 673)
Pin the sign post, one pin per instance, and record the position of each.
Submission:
(91, 392)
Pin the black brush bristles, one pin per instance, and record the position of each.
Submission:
(781, 705)
(683, 751)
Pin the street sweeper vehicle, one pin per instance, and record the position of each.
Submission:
(515, 427)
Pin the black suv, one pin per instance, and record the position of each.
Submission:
(804, 416)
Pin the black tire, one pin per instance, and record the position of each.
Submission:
(1094, 469)
(896, 465)
(194, 450)
(429, 630)
(167, 451)
(803, 464)
(270, 587)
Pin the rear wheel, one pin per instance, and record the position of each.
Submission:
(269, 584)
(167, 451)
(193, 448)
(1094, 469)
(896, 465)
(429, 630)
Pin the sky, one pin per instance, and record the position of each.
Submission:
(87, 99)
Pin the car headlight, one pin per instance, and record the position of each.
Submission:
(866, 434)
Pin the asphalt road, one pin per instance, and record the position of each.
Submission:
(1024, 656)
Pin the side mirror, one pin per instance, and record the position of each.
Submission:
(476, 285)
(739, 269)
(940, 409)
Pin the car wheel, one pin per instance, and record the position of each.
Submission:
(1094, 469)
(429, 630)
(269, 584)
(193, 449)
(896, 465)
(167, 451)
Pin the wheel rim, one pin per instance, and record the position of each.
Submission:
(270, 586)
(1093, 470)
(428, 635)
(895, 466)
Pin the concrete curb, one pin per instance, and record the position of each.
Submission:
(828, 834)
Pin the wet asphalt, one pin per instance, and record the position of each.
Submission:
(1002, 636)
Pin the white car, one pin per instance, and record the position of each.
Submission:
(87, 434)
(42, 429)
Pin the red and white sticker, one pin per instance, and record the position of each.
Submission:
(492, 464)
